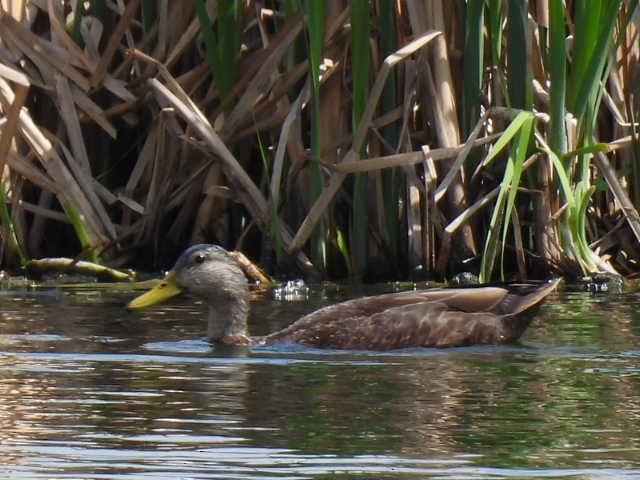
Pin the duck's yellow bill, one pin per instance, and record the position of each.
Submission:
(162, 292)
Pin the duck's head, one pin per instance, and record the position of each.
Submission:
(206, 271)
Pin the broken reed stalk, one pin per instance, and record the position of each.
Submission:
(409, 158)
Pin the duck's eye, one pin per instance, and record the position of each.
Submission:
(199, 258)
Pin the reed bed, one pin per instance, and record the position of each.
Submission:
(371, 139)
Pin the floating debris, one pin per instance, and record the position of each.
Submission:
(82, 267)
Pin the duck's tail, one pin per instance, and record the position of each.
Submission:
(520, 301)
(519, 308)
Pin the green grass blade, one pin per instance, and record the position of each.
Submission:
(591, 49)
(228, 28)
(275, 230)
(343, 248)
(149, 13)
(519, 73)
(99, 10)
(588, 149)
(473, 64)
(565, 183)
(494, 29)
(587, 18)
(558, 77)
(509, 133)
(315, 22)
(520, 129)
(222, 44)
(81, 232)
(7, 225)
(297, 49)
(210, 42)
(276, 235)
(579, 93)
(360, 69)
(583, 196)
(519, 155)
(390, 180)
(360, 57)
(263, 157)
(491, 243)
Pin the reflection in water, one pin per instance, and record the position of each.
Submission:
(90, 391)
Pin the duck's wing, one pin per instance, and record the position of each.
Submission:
(511, 299)
(426, 324)
(472, 300)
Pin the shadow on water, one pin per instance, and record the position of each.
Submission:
(91, 391)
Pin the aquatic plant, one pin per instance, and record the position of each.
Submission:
(370, 139)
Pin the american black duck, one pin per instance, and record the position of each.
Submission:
(447, 317)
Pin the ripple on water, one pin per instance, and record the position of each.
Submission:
(198, 345)
(269, 463)
(89, 391)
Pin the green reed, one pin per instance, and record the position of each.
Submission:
(360, 71)
(222, 43)
(315, 27)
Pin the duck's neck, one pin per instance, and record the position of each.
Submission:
(228, 322)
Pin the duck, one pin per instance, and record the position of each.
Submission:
(436, 317)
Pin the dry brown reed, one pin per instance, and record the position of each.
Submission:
(120, 142)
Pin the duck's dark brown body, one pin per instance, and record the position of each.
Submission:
(428, 318)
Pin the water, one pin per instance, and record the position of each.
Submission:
(90, 391)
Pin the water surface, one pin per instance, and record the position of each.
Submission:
(91, 391)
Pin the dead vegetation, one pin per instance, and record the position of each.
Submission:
(123, 139)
